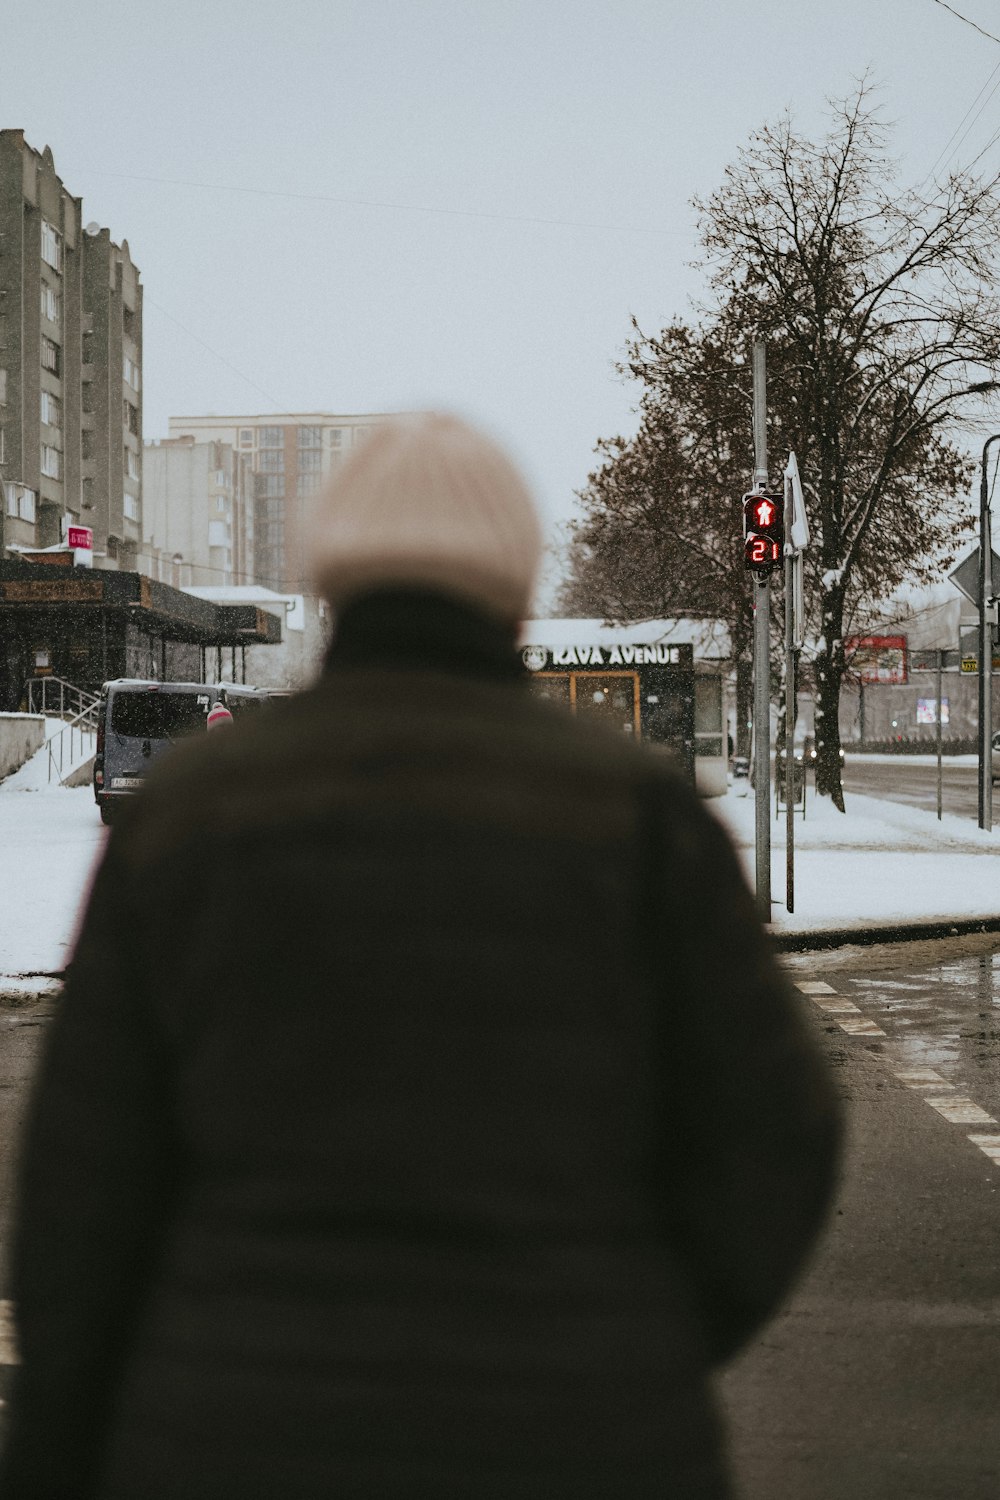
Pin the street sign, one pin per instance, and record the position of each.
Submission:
(795, 517)
(969, 652)
(877, 658)
(966, 576)
(927, 661)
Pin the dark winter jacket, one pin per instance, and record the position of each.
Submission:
(492, 1133)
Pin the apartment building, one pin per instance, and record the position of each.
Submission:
(291, 456)
(70, 368)
(198, 514)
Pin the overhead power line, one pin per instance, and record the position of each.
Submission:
(953, 138)
(227, 362)
(411, 208)
(957, 13)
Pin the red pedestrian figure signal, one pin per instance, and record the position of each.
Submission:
(763, 532)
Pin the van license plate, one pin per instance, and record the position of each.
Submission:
(125, 783)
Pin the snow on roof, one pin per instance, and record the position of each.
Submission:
(288, 607)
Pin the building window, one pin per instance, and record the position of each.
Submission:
(131, 463)
(270, 486)
(221, 503)
(246, 437)
(222, 478)
(50, 461)
(310, 461)
(336, 436)
(272, 461)
(51, 356)
(20, 502)
(310, 437)
(218, 534)
(51, 409)
(272, 437)
(307, 484)
(130, 505)
(130, 372)
(1, 446)
(51, 303)
(51, 246)
(130, 417)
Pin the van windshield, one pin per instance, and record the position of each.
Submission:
(146, 715)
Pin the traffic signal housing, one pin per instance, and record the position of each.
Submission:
(763, 531)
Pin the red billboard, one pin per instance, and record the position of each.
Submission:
(876, 658)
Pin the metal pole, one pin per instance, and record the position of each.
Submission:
(790, 735)
(940, 663)
(762, 744)
(986, 610)
(761, 654)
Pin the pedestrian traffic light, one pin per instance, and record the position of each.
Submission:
(763, 531)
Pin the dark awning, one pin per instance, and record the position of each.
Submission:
(153, 606)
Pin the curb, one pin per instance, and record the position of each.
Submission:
(867, 937)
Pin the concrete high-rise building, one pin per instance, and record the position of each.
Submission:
(198, 514)
(70, 368)
(291, 456)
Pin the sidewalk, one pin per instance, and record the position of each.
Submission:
(871, 873)
(876, 869)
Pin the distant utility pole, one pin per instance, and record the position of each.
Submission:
(761, 655)
(987, 620)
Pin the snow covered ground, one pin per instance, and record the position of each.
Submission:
(877, 864)
(880, 864)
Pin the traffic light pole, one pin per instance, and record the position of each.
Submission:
(761, 658)
(790, 715)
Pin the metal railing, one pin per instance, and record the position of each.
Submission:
(54, 695)
(71, 746)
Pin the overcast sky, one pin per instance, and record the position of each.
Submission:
(372, 205)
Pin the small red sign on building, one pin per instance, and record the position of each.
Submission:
(80, 536)
(877, 658)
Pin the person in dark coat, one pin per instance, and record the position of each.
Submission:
(496, 1132)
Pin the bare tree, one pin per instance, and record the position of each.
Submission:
(882, 318)
(659, 533)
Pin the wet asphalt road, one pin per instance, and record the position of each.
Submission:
(916, 785)
(880, 1380)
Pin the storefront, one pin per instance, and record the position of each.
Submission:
(661, 681)
(87, 626)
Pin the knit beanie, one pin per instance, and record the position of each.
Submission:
(428, 501)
